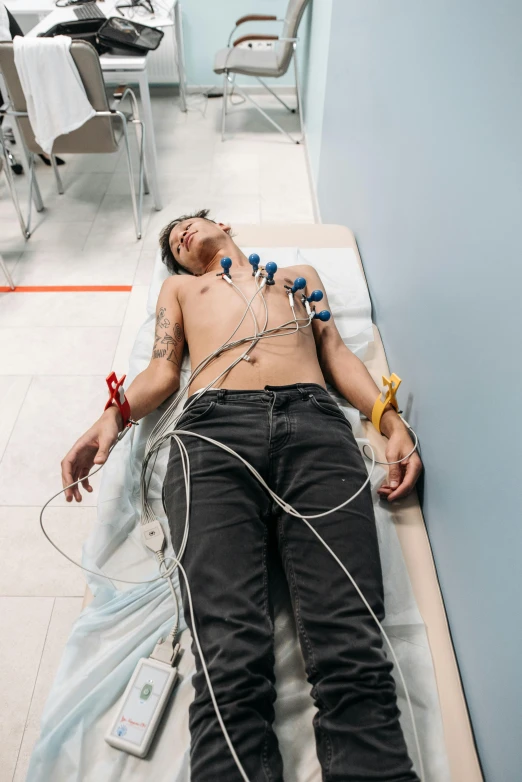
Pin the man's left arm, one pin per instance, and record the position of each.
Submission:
(347, 373)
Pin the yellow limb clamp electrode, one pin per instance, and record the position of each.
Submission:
(386, 397)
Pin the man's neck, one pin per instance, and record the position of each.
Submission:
(230, 250)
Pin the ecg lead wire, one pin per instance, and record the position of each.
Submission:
(162, 432)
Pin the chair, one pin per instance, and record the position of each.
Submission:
(7, 274)
(103, 133)
(274, 63)
(6, 169)
(17, 207)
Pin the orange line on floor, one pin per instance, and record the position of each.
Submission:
(64, 288)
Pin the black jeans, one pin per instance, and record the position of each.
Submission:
(303, 446)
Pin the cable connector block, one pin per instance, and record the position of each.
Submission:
(166, 652)
(153, 536)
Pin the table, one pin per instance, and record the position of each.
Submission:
(118, 68)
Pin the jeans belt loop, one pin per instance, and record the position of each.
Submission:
(304, 393)
(221, 395)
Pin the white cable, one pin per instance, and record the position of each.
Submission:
(282, 504)
(74, 562)
(385, 636)
(185, 462)
(415, 446)
(287, 508)
(159, 435)
(203, 364)
(207, 677)
(170, 417)
(290, 510)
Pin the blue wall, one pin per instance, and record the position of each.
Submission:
(315, 28)
(421, 155)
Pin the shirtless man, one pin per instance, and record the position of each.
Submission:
(275, 411)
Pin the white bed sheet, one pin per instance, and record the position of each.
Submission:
(123, 622)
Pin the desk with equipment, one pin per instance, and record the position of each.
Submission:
(122, 65)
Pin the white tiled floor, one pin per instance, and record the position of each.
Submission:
(57, 348)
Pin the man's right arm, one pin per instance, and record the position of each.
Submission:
(147, 391)
(161, 378)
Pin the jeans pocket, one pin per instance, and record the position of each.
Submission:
(195, 413)
(330, 407)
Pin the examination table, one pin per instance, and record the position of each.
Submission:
(409, 525)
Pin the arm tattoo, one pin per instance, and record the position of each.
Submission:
(164, 336)
(167, 340)
(161, 320)
(173, 358)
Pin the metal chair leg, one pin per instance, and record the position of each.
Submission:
(225, 99)
(5, 270)
(128, 93)
(271, 91)
(142, 175)
(37, 196)
(59, 184)
(298, 93)
(14, 197)
(26, 156)
(32, 183)
(139, 137)
(12, 190)
(15, 165)
(135, 211)
(136, 206)
(248, 97)
(146, 189)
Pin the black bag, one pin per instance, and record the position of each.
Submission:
(118, 32)
(110, 36)
(80, 30)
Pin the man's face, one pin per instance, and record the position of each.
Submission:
(195, 242)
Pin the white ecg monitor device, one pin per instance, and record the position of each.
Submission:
(141, 707)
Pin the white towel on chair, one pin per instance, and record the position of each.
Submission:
(5, 32)
(54, 93)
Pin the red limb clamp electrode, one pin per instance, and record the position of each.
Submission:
(117, 395)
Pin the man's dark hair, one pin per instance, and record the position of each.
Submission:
(167, 255)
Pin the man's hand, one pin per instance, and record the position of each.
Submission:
(146, 392)
(402, 477)
(92, 448)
